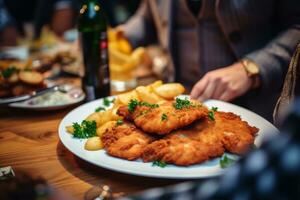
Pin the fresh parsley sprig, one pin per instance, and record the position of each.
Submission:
(107, 102)
(134, 103)
(226, 161)
(119, 122)
(86, 129)
(8, 72)
(211, 113)
(181, 103)
(100, 108)
(158, 163)
(164, 117)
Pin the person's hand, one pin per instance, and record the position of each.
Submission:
(62, 20)
(223, 84)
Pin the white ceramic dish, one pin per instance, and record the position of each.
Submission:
(100, 158)
(53, 100)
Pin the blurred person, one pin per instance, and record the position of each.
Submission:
(59, 14)
(227, 50)
(270, 172)
(291, 89)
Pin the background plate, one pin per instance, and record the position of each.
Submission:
(74, 95)
(100, 158)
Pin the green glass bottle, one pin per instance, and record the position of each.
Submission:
(92, 27)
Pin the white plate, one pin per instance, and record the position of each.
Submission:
(100, 158)
(72, 96)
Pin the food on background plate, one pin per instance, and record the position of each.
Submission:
(167, 130)
(18, 79)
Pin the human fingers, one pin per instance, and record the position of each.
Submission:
(198, 88)
(220, 88)
(208, 91)
(228, 95)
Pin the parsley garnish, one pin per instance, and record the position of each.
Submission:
(134, 103)
(214, 109)
(107, 102)
(86, 129)
(158, 163)
(100, 108)
(119, 122)
(8, 72)
(211, 113)
(164, 117)
(226, 161)
(148, 104)
(181, 103)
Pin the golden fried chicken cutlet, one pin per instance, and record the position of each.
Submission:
(125, 141)
(203, 140)
(237, 135)
(164, 118)
(227, 129)
(180, 150)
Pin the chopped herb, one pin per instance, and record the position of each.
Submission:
(158, 163)
(214, 109)
(226, 161)
(164, 117)
(148, 104)
(86, 129)
(107, 102)
(211, 113)
(119, 122)
(8, 72)
(134, 103)
(181, 103)
(27, 69)
(100, 108)
(143, 112)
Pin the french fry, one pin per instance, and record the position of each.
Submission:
(124, 46)
(126, 97)
(93, 144)
(154, 85)
(169, 91)
(114, 115)
(100, 117)
(102, 129)
(70, 129)
(145, 94)
(31, 77)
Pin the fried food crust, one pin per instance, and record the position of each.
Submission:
(180, 151)
(150, 119)
(125, 141)
(203, 140)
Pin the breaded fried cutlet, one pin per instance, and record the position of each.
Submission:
(180, 150)
(125, 141)
(203, 140)
(164, 118)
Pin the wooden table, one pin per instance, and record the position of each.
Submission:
(29, 142)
